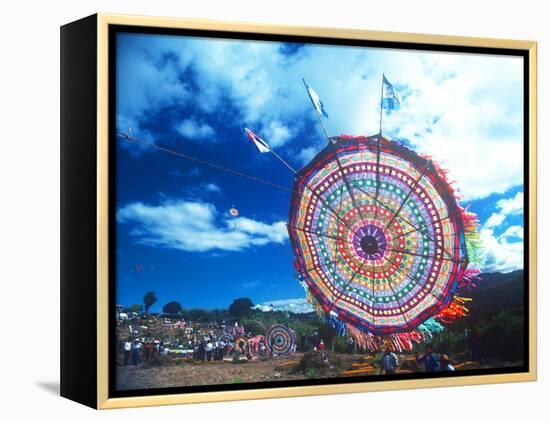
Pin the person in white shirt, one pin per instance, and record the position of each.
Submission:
(136, 347)
(127, 352)
(209, 348)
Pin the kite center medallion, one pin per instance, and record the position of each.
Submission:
(370, 242)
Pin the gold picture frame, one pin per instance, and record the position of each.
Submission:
(102, 22)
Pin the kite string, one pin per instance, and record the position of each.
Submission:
(203, 162)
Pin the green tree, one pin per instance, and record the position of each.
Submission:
(198, 314)
(255, 327)
(135, 308)
(148, 300)
(241, 307)
(173, 307)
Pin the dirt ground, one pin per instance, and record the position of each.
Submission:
(207, 373)
(189, 373)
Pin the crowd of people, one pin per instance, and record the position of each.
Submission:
(209, 343)
(135, 351)
(430, 361)
(213, 342)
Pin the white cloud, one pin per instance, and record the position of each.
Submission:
(294, 305)
(275, 232)
(194, 130)
(514, 231)
(196, 226)
(465, 110)
(306, 154)
(276, 134)
(505, 207)
(511, 206)
(503, 253)
(494, 220)
(200, 190)
(144, 81)
(211, 187)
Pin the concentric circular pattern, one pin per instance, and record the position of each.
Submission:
(280, 340)
(377, 236)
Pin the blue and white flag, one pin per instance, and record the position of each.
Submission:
(317, 103)
(258, 142)
(390, 96)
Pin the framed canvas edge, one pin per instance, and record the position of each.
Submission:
(103, 400)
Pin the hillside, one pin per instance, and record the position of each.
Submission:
(496, 292)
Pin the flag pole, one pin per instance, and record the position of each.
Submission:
(213, 165)
(317, 112)
(381, 104)
(257, 140)
(283, 161)
(323, 125)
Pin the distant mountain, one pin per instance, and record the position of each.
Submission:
(495, 292)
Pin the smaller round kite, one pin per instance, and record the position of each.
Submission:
(234, 212)
(280, 340)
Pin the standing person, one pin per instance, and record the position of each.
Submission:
(147, 348)
(135, 352)
(242, 346)
(429, 359)
(315, 341)
(389, 362)
(221, 352)
(215, 353)
(155, 350)
(321, 345)
(219, 349)
(351, 346)
(209, 348)
(127, 351)
(163, 349)
(201, 355)
(445, 364)
(195, 351)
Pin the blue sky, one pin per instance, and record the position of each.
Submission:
(195, 95)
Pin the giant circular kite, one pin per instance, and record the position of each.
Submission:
(280, 340)
(380, 242)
